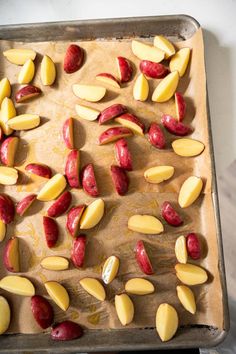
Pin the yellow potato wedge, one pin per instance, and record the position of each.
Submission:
(139, 286)
(180, 61)
(94, 288)
(145, 224)
(124, 309)
(187, 147)
(17, 285)
(58, 294)
(190, 191)
(186, 297)
(53, 188)
(191, 274)
(181, 250)
(159, 174)
(166, 321)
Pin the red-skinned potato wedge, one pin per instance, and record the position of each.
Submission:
(25, 203)
(123, 155)
(142, 258)
(119, 179)
(124, 68)
(108, 79)
(73, 219)
(66, 330)
(60, 206)
(39, 170)
(112, 134)
(72, 168)
(153, 70)
(180, 106)
(68, 133)
(73, 59)
(156, 136)
(7, 209)
(11, 256)
(42, 311)
(111, 112)
(78, 251)
(88, 180)
(132, 122)
(51, 231)
(170, 215)
(1, 134)
(175, 127)
(27, 92)
(193, 246)
(8, 150)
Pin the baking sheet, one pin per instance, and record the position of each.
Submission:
(111, 236)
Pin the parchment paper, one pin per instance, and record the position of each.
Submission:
(111, 236)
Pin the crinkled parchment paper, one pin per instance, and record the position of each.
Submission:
(111, 236)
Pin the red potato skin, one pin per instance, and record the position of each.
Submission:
(66, 330)
(7, 255)
(193, 246)
(109, 76)
(51, 231)
(119, 179)
(25, 203)
(153, 70)
(156, 136)
(180, 105)
(66, 133)
(72, 169)
(113, 134)
(39, 170)
(175, 127)
(73, 218)
(42, 311)
(88, 180)
(73, 59)
(134, 119)
(111, 112)
(60, 206)
(27, 92)
(1, 135)
(170, 215)
(7, 209)
(123, 155)
(125, 69)
(78, 251)
(142, 258)
(4, 150)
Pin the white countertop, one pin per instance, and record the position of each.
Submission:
(218, 19)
